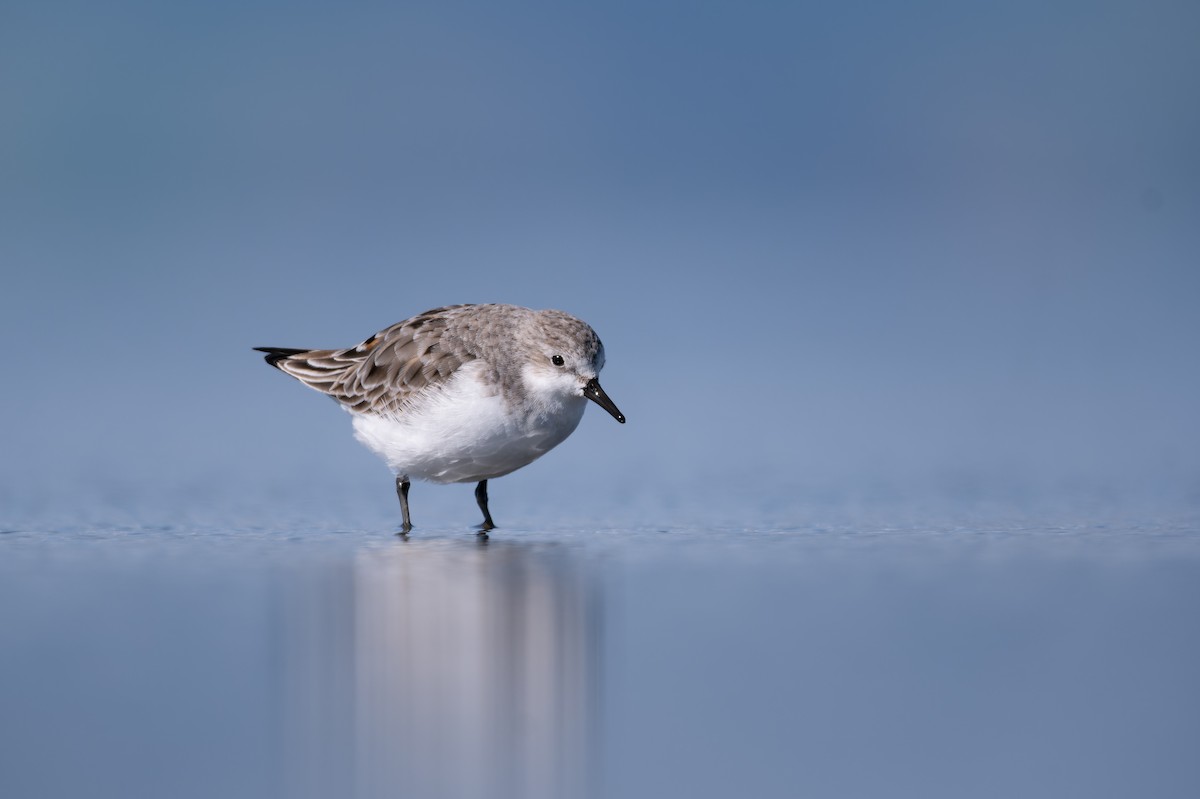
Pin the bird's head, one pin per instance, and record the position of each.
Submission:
(564, 357)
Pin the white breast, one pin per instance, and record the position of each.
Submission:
(467, 432)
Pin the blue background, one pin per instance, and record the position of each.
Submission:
(862, 247)
(900, 300)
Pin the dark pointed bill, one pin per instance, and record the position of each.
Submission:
(596, 394)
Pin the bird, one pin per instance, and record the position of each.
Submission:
(462, 393)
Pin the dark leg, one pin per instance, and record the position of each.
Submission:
(402, 492)
(481, 498)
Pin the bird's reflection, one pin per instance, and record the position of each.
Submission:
(444, 668)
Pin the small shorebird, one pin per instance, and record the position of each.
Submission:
(461, 394)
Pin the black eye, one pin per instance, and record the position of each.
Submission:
(557, 360)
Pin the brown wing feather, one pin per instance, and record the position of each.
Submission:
(383, 374)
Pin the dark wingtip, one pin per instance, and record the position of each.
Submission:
(277, 354)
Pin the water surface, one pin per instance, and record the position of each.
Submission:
(842, 659)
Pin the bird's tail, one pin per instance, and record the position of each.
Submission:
(277, 354)
(324, 370)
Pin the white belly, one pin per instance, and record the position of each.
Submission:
(466, 433)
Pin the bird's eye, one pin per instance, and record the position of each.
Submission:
(557, 360)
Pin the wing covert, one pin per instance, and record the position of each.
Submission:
(385, 372)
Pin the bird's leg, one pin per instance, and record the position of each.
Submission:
(481, 498)
(402, 492)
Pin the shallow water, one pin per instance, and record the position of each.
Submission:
(931, 656)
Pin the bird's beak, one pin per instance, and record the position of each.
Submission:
(596, 394)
